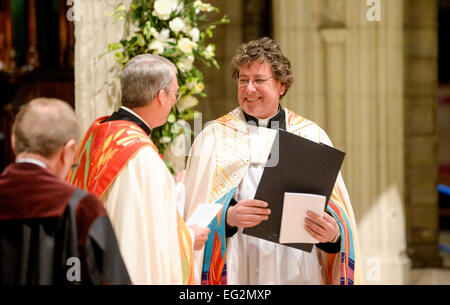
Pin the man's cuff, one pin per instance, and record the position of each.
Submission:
(331, 247)
(229, 230)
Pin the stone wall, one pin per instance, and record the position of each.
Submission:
(349, 79)
(97, 86)
(420, 132)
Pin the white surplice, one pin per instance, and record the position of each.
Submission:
(252, 260)
(141, 204)
(230, 153)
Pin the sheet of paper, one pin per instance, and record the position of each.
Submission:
(295, 206)
(204, 214)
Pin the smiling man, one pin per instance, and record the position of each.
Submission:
(225, 165)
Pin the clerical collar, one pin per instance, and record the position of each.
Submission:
(32, 160)
(126, 114)
(278, 118)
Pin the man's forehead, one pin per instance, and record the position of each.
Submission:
(255, 68)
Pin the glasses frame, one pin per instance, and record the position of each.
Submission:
(257, 83)
(177, 94)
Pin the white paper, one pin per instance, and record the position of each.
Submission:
(204, 214)
(295, 206)
(180, 191)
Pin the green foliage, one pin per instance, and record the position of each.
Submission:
(176, 30)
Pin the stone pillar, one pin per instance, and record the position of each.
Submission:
(420, 132)
(256, 19)
(349, 79)
(97, 86)
(335, 106)
(220, 88)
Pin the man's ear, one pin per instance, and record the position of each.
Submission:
(282, 89)
(68, 150)
(161, 97)
(13, 144)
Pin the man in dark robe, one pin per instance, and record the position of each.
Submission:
(52, 232)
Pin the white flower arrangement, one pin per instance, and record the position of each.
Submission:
(175, 29)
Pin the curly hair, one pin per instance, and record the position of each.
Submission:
(261, 50)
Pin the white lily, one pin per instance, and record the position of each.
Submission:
(209, 52)
(195, 34)
(185, 63)
(161, 40)
(187, 102)
(202, 7)
(177, 25)
(163, 8)
(156, 45)
(186, 45)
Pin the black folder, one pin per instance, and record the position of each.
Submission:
(303, 166)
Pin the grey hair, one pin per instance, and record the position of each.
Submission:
(143, 77)
(43, 125)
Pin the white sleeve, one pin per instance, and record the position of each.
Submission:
(142, 206)
(180, 190)
(199, 176)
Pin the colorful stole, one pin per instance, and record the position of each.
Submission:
(347, 268)
(104, 151)
(186, 252)
(337, 208)
(214, 270)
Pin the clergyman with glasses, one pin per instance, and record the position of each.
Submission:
(225, 165)
(119, 162)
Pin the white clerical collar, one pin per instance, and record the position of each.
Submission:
(134, 113)
(32, 160)
(265, 122)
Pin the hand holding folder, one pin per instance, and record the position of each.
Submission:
(295, 206)
(303, 166)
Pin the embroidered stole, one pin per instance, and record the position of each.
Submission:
(104, 151)
(214, 271)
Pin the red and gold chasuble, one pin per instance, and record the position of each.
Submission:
(104, 151)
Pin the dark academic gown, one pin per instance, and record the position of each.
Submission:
(54, 233)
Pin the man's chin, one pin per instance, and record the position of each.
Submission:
(251, 109)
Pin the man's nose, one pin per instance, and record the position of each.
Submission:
(251, 86)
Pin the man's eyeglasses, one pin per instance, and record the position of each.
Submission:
(259, 82)
(177, 94)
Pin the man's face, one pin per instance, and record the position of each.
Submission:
(171, 97)
(67, 159)
(261, 96)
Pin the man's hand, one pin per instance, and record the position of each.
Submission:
(323, 228)
(200, 235)
(248, 213)
(180, 176)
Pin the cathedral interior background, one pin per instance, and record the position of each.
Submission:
(380, 88)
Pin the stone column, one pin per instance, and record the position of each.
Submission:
(420, 132)
(349, 79)
(220, 88)
(97, 86)
(335, 106)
